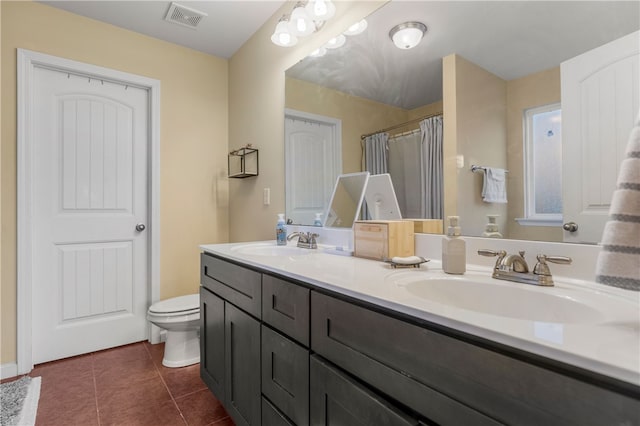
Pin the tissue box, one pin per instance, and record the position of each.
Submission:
(427, 226)
(383, 239)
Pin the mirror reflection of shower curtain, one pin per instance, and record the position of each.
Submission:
(415, 166)
(405, 169)
(376, 159)
(431, 134)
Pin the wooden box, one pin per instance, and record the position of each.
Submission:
(383, 239)
(427, 226)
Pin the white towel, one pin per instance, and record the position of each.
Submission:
(619, 260)
(494, 188)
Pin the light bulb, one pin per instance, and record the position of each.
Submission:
(321, 51)
(282, 35)
(356, 28)
(300, 23)
(336, 42)
(320, 10)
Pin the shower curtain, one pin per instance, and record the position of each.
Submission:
(415, 166)
(414, 161)
(431, 141)
(376, 159)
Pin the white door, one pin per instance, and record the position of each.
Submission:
(90, 264)
(312, 164)
(600, 100)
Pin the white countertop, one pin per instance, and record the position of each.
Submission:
(609, 344)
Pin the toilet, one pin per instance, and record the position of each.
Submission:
(180, 317)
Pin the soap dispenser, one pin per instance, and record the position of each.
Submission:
(454, 257)
(318, 220)
(491, 229)
(281, 231)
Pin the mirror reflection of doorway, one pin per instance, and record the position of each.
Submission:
(313, 161)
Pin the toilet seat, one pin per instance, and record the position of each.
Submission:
(182, 305)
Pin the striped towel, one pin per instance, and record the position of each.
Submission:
(619, 260)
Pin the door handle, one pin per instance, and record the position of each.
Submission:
(570, 226)
(140, 227)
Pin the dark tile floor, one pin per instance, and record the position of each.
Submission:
(126, 386)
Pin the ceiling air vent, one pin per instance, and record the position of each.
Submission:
(183, 15)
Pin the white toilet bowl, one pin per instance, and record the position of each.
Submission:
(180, 317)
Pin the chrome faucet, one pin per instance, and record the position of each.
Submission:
(305, 239)
(514, 267)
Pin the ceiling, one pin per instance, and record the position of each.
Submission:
(227, 27)
(511, 39)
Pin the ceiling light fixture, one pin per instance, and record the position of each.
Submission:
(305, 19)
(321, 10)
(408, 34)
(300, 23)
(336, 42)
(282, 35)
(356, 28)
(319, 52)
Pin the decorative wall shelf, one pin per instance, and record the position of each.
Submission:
(243, 163)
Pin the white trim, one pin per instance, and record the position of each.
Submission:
(27, 61)
(8, 370)
(535, 221)
(531, 217)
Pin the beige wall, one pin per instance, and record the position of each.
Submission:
(194, 137)
(358, 115)
(256, 109)
(537, 89)
(475, 124)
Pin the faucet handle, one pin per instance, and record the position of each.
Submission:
(542, 268)
(491, 253)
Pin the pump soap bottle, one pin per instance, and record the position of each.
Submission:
(318, 220)
(281, 231)
(453, 249)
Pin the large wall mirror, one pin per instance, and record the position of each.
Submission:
(482, 66)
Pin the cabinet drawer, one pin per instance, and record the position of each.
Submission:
(285, 375)
(271, 416)
(421, 367)
(338, 400)
(238, 285)
(285, 306)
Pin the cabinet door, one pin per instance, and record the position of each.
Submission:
(212, 368)
(242, 354)
(285, 375)
(271, 416)
(337, 400)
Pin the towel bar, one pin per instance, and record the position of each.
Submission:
(475, 168)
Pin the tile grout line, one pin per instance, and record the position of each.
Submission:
(95, 385)
(165, 385)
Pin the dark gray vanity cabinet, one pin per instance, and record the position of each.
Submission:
(453, 382)
(282, 353)
(338, 400)
(230, 337)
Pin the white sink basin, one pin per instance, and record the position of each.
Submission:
(485, 295)
(270, 249)
(505, 301)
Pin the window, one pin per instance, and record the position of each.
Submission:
(543, 166)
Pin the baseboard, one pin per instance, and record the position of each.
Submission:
(8, 370)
